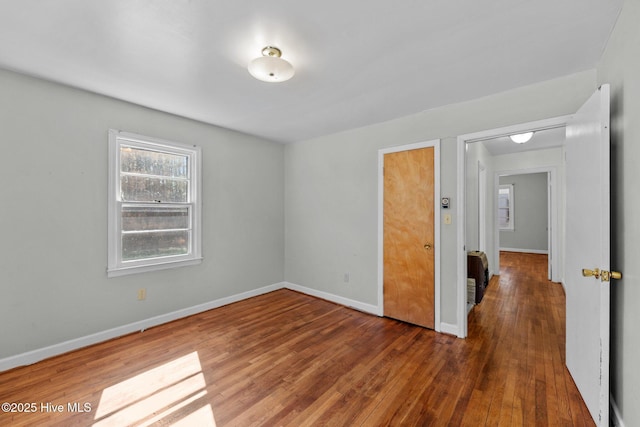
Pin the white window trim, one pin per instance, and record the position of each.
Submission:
(511, 226)
(116, 267)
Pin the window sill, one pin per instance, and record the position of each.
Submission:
(123, 271)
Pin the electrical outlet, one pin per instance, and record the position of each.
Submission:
(142, 294)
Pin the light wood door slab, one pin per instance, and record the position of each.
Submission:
(408, 223)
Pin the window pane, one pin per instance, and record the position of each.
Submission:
(143, 189)
(505, 207)
(154, 244)
(503, 218)
(154, 218)
(135, 160)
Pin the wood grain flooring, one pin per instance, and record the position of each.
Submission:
(287, 359)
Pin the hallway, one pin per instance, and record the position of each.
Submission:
(519, 326)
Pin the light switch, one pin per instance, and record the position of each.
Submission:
(447, 219)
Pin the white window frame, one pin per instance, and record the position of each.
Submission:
(511, 225)
(116, 265)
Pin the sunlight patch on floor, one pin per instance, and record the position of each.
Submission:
(203, 417)
(156, 394)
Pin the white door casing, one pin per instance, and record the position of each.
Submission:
(588, 246)
(482, 207)
(550, 226)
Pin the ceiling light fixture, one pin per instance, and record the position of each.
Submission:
(270, 67)
(521, 138)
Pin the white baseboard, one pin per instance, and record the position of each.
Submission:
(446, 328)
(367, 308)
(37, 355)
(526, 251)
(615, 415)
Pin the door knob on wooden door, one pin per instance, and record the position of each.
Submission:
(427, 246)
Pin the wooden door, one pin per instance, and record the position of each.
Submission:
(587, 247)
(409, 238)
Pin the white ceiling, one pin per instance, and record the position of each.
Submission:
(357, 62)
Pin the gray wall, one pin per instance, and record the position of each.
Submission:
(620, 67)
(331, 186)
(53, 212)
(530, 214)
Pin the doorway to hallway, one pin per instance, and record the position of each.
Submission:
(519, 331)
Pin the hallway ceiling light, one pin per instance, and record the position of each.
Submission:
(521, 138)
(270, 67)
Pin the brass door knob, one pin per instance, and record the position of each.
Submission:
(427, 246)
(591, 273)
(604, 275)
(608, 275)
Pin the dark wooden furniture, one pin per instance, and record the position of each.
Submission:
(478, 269)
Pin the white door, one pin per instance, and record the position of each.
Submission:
(587, 247)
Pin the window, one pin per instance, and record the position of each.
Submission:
(505, 207)
(154, 204)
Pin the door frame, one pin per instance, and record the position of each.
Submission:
(482, 207)
(553, 216)
(461, 261)
(436, 200)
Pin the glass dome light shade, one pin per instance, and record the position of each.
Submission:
(271, 69)
(521, 138)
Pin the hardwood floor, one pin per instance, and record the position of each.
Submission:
(289, 359)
